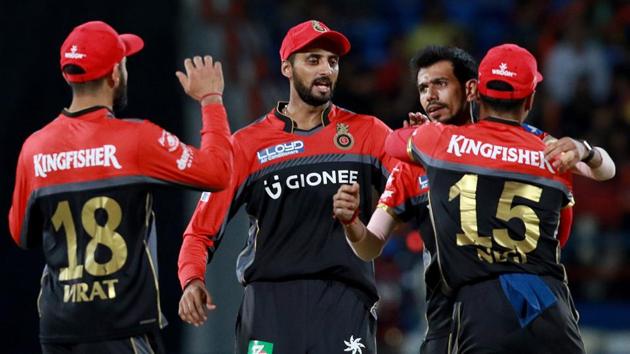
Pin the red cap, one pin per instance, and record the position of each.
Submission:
(513, 65)
(96, 47)
(307, 32)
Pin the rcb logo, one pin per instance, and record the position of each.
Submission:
(318, 26)
(343, 139)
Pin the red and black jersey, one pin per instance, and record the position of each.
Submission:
(495, 200)
(83, 193)
(406, 198)
(286, 179)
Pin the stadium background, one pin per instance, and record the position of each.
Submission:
(582, 48)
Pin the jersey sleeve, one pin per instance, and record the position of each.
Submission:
(405, 194)
(423, 141)
(396, 144)
(163, 156)
(205, 228)
(19, 206)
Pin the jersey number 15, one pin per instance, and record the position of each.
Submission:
(466, 189)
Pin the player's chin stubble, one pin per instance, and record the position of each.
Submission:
(305, 92)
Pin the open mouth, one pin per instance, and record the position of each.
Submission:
(434, 111)
(323, 85)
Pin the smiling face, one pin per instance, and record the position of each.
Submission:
(441, 94)
(314, 74)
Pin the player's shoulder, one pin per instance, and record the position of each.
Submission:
(252, 129)
(50, 131)
(434, 130)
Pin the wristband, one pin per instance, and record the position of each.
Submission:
(210, 94)
(352, 219)
(591, 151)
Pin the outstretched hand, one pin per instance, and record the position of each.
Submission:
(195, 303)
(202, 77)
(346, 202)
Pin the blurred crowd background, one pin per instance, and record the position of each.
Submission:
(582, 49)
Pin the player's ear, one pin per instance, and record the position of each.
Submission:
(471, 90)
(286, 69)
(113, 78)
(529, 102)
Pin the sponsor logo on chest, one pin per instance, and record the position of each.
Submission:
(306, 180)
(280, 150)
(103, 156)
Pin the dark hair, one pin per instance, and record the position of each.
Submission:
(501, 105)
(464, 65)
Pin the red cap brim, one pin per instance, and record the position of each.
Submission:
(133, 43)
(336, 37)
(539, 77)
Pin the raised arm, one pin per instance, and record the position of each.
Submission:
(164, 156)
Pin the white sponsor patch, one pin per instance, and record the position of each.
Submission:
(104, 156)
(503, 71)
(73, 54)
(280, 150)
(186, 159)
(168, 141)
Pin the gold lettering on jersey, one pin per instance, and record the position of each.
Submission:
(104, 156)
(511, 250)
(460, 145)
(84, 292)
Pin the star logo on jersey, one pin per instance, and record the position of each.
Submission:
(354, 345)
(259, 347)
(343, 139)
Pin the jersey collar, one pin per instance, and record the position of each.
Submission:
(83, 112)
(502, 120)
(289, 124)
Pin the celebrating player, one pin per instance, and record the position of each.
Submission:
(83, 194)
(495, 203)
(446, 78)
(301, 277)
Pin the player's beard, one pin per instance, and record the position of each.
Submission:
(305, 91)
(120, 94)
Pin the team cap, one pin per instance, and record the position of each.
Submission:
(513, 65)
(300, 36)
(96, 47)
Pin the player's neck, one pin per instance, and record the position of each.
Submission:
(81, 102)
(515, 116)
(304, 115)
